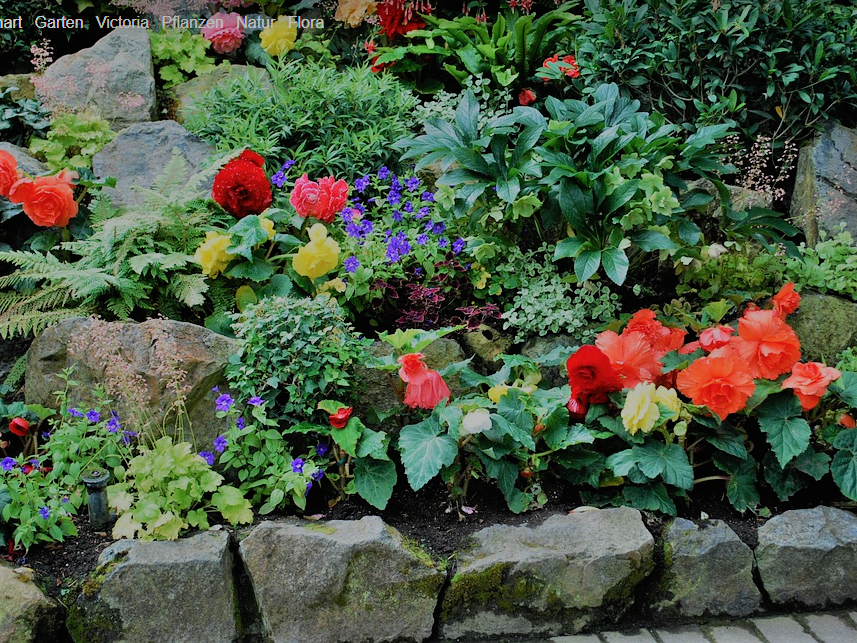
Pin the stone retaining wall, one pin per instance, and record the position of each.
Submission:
(309, 582)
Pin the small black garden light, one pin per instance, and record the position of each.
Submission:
(95, 481)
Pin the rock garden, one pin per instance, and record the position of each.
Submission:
(348, 320)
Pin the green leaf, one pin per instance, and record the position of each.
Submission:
(621, 462)
(425, 448)
(650, 497)
(255, 270)
(372, 444)
(846, 388)
(650, 240)
(815, 465)
(844, 465)
(246, 234)
(788, 433)
(615, 263)
(232, 505)
(785, 482)
(374, 481)
(586, 264)
(568, 248)
(667, 460)
(348, 436)
(741, 488)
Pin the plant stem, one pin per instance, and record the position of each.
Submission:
(709, 478)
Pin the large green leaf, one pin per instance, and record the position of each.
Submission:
(649, 240)
(374, 481)
(348, 436)
(425, 448)
(615, 263)
(586, 264)
(844, 465)
(846, 388)
(741, 488)
(784, 481)
(788, 433)
(373, 444)
(666, 460)
(650, 497)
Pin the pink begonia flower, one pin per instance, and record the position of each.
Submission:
(425, 387)
(227, 38)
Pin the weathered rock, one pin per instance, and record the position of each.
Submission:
(808, 557)
(540, 347)
(153, 145)
(159, 591)
(25, 161)
(25, 89)
(742, 198)
(146, 350)
(340, 581)
(115, 77)
(825, 191)
(708, 571)
(571, 572)
(187, 93)
(376, 388)
(26, 614)
(487, 343)
(826, 325)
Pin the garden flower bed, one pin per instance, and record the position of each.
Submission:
(383, 255)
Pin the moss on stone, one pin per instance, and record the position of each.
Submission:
(320, 528)
(478, 587)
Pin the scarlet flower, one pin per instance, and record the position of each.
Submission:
(847, 421)
(662, 339)
(713, 338)
(766, 343)
(426, 387)
(591, 377)
(8, 172)
(369, 46)
(376, 67)
(47, 200)
(787, 300)
(722, 384)
(339, 419)
(572, 70)
(398, 18)
(631, 355)
(809, 382)
(527, 97)
(321, 200)
(241, 187)
(19, 426)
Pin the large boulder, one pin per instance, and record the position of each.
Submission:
(571, 572)
(187, 94)
(24, 89)
(25, 160)
(127, 356)
(26, 614)
(807, 557)
(340, 581)
(538, 348)
(115, 77)
(159, 591)
(826, 325)
(742, 198)
(487, 344)
(825, 192)
(138, 156)
(708, 572)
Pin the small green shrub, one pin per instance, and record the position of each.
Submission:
(72, 141)
(180, 54)
(20, 119)
(331, 122)
(829, 266)
(294, 353)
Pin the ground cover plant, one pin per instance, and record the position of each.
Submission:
(570, 180)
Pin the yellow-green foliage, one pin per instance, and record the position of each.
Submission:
(179, 54)
(72, 141)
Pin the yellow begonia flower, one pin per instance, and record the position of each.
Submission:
(668, 398)
(496, 392)
(640, 412)
(212, 255)
(268, 226)
(334, 284)
(319, 256)
(280, 37)
(352, 12)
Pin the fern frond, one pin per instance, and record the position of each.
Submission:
(189, 289)
(34, 322)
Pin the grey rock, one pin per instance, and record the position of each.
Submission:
(826, 325)
(187, 94)
(145, 350)
(340, 581)
(571, 572)
(377, 386)
(26, 614)
(25, 160)
(153, 145)
(825, 192)
(487, 343)
(160, 591)
(25, 89)
(807, 557)
(742, 198)
(105, 77)
(539, 347)
(709, 571)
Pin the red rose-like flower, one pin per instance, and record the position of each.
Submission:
(713, 338)
(766, 343)
(8, 172)
(591, 377)
(47, 200)
(810, 381)
(339, 419)
(321, 200)
(787, 300)
(527, 97)
(631, 355)
(241, 187)
(722, 384)
(19, 426)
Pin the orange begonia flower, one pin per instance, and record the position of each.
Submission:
(768, 344)
(787, 300)
(631, 356)
(722, 384)
(426, 387)
(662, 339)
(810, 381)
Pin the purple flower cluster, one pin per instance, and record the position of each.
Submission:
(224, 402)
(74, 413)
(45, 513)
(240, 424)
(255, 401)
(93, 416)
(361, 184)
(458, 245)
(397, 247)
(208, 456)
(298, 465)
(220, 444)
(383, 173)
(113, 424)
(412, 184)
(360, 230)
(423, 212)
(321, 449)
(279, 179)
(126, 437)
(351, 264)
(7, 464)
